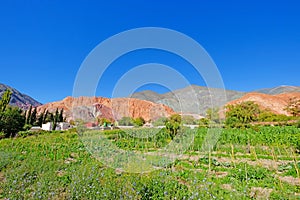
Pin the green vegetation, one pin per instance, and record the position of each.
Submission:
(33, 119)
(126, 121)
(245, 113)
(173, 125)
(213, 114)
(11, 119)
(248, 161)
(138, 121)
(56, 165)
(241, 114)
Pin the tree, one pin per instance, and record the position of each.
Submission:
(213, 114)
(12, 121)
(33, 117)
(173, 125)
(61, 117)
(55, 119)
(46, 115)
(103, 121)
(293, 107)
(5, 99)
(28, 116)
(139, 121)
(40, 119)
(204, 122)
(126, 121)
(241, 114)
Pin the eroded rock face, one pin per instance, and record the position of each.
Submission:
(274, 103)
(89, 108)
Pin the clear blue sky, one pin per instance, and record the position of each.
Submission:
(255, 44)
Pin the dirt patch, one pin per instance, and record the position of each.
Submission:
(260, 193)
(2, 177)
(119, 171)
(290, 180)
(70, 160)
(227, 187)
(74, 155)
(266, 163)
(60, 173)
(221, 174)
(183, 182)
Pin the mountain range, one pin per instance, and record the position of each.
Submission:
(194, 100)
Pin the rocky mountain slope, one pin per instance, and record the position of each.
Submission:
(88, 108)
(19, 99)
(274, 103)
(192, 99)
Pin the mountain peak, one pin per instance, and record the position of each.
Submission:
(19, 99)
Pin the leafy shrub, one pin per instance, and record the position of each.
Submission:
(2, 135)
(244, 172)
(126, 121)
(138, 121)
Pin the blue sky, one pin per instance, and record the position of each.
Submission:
(255, 44)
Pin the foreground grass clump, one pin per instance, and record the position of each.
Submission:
(57, 166)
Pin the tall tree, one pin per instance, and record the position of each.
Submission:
(61, 116)
(173, 124)
(45, 117)
(55, 119)
(40, 118)
(4, 101)
(139, 121)
(213, 114)
(28, 117)
(12, 121)
(33, 117)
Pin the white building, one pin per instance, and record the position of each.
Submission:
(63, 125)
(59, 126)
(47, 126)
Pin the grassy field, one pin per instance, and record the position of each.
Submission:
(256, 163)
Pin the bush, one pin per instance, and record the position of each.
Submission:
(12, 121)
(126, 121)
(25, 133)
(138, 121)
(204, 122)
(173, 124)
(2, 135)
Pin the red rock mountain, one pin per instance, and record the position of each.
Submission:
(88, 108)
(275, 103)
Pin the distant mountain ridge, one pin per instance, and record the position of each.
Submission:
(279, 90)
(192, 99)
(19, 99)
(189, 100)
(183, 100)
